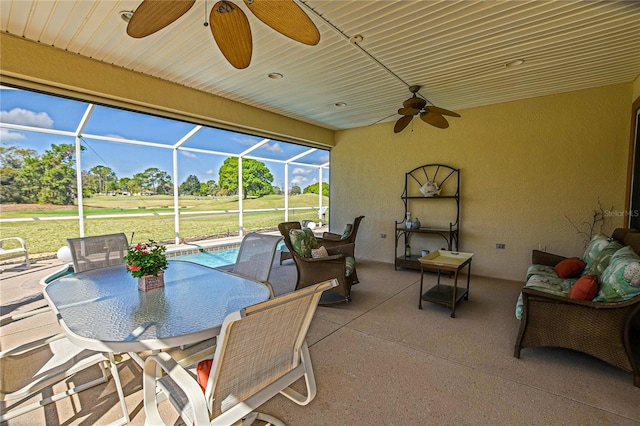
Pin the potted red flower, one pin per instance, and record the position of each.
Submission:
(147, 262)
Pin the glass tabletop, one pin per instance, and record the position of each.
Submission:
(103, 309)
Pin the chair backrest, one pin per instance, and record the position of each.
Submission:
(284, 229)
(98, 251)
(354, 230)
(260, 344)
(256, 255)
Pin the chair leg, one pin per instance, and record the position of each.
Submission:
(116, 379)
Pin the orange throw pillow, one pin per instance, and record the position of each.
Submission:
(585, 288)
(570, 268)
(203, 369)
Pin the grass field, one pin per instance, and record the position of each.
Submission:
(47, 236)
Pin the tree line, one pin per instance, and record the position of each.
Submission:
(50, 178)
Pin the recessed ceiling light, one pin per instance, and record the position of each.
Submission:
(126, 15)
(514, 63)
(275, 75)
(340, 104)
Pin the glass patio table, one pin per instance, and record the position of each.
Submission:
(103, 310)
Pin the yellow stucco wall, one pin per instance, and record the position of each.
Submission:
(42, 67)
(636, 88)
(525, 167)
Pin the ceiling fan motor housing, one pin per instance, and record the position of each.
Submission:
(414, 103)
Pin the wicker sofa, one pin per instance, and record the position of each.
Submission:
(607, 330)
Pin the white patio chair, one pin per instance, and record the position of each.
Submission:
(255, 258)
(16, 247)
(98, 251)
(29, 368)
(261, 351)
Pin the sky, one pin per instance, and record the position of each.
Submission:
(51, 112)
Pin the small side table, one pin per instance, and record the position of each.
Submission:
(448, 261)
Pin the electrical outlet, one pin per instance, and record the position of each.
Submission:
(499, 246)
(542, 247)
(383, 235)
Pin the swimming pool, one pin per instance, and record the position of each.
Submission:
(213, 258)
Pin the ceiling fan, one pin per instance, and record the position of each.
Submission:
(229, 24)
(430, 114)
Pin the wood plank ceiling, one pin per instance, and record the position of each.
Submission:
(456, 50)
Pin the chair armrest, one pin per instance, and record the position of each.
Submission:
(182, 378)
(344, 249)
(543, 258)
(329, 236)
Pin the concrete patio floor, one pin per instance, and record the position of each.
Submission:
(380, 360)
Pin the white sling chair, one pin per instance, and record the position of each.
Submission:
(261, 351)
(27, 369)
(255, 258)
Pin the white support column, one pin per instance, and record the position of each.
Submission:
(286, 192)
(176, 192)
(79, 130)
(79, 187)
(320, 196)
(240, 195)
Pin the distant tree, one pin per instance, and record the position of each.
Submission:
(101, 178)
(50, 178)
(11, 160)
(123, 184)
(256, 177)
(313, 189)
(191, 186)
(134, 185)
(212, 187)
(277, 190)
(163, 183)
(295, 190)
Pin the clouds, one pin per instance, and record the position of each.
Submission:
(273, 147)
(301, 176)
(27, 118)
(7, 135)
(188, 154)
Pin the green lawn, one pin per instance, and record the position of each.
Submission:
(47, 236)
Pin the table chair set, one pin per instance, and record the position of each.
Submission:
(197, 304)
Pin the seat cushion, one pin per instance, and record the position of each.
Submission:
(543, 270)
(621, 280)
(350, 265)
(303, 241)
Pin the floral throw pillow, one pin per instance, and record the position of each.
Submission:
(597, 243)
(601, 262)
(303, 241)
(621, 280)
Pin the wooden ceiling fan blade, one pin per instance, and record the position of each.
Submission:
(231, 30)
(442, 111)
(408, 111)
(287, 18)
(434, 119)
(402, 123)
(153, 15)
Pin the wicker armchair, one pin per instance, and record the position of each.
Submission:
(330, 239)
(607, 331)
(312, 271)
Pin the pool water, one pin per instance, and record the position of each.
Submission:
(213, 259)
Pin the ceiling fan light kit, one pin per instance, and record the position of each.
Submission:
(229, 24)
(430, 114)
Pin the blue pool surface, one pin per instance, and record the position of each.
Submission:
(213, 259)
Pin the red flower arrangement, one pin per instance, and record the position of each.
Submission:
(146, 259)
